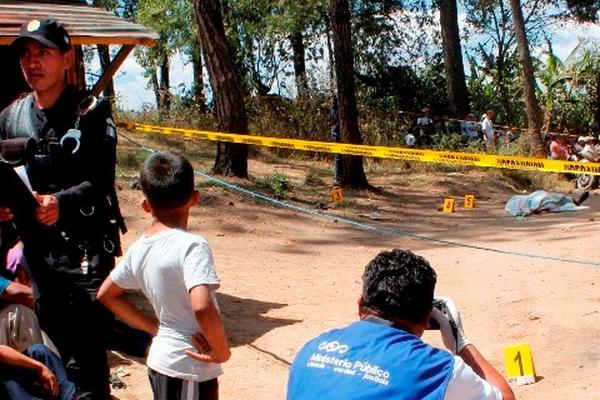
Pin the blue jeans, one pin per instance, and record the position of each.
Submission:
(24, 384)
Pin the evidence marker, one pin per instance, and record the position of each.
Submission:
(449, 205)
(518, 363)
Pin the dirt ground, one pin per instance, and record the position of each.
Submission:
(288, 276)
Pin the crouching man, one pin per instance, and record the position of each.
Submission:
(382, 356)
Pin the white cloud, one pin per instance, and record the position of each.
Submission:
(567, 36)
(182, 73)
(131, 86)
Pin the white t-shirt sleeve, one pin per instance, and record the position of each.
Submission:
(199, 267)
(465, 384)
(123, 276)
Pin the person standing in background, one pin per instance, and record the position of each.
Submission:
(487, 128)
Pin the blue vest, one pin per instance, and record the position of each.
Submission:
(368, 361)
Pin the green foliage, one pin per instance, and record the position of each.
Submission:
(183, 113)
(131, 160)
(452, 141)
(207, 183)
(392, 32)
(278, 183)
(583, 66)
(259, 32)
(398, 62)
(174, 23)
(306, 118)
(584, 10)
(403, 88)
(495, 69)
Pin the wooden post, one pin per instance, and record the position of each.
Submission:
(112, 68)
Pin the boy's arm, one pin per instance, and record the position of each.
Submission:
(213, 331)
(12, 357)
(112, 296)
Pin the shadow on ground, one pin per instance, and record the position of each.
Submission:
(245, 319)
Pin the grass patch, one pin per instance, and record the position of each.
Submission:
(347, 203)
(207, 183)
(314, 175)
(128, 160)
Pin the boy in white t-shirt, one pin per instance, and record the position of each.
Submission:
(175, 270)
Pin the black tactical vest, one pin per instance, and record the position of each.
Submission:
(84, 242)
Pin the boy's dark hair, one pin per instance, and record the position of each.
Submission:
(399, 284)
(167, 180)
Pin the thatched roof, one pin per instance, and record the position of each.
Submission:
(86, 25)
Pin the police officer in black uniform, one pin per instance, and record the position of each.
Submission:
(72, 237)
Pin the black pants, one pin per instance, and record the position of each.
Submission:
(78, 325)
(167, 388)
(337, 166)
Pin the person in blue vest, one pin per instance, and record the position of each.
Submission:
(382, 356)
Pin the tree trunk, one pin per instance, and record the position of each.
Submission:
(235, 47)
(597, 102)
(331, 62)
(456, 85)
(231, 158)
(156, 88)
(297, 42)
(199, 97)
(104, 56)
(532, 106)
(165, 85)
(504, 95)
(254, 69)
(79, 61)
(353, 174)
(548, 115)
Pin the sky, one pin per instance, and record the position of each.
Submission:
(133, 92)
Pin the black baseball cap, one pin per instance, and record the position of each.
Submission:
(48, 32)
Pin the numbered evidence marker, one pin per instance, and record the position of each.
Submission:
(337, 194)
(519, 364)
(448, 205)
(469, 201)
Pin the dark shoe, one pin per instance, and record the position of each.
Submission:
(580, 197)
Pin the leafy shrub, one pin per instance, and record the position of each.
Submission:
(277, 183)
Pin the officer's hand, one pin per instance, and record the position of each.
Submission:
(451, 327)
(47, 212)
(5, 214)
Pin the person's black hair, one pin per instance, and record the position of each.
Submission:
(399, 284)
(167, 180)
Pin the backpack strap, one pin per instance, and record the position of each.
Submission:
(20, 119)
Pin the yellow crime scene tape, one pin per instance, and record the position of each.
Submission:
(396, 153)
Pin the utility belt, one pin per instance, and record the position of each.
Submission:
(81, 250)
(93, 229)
